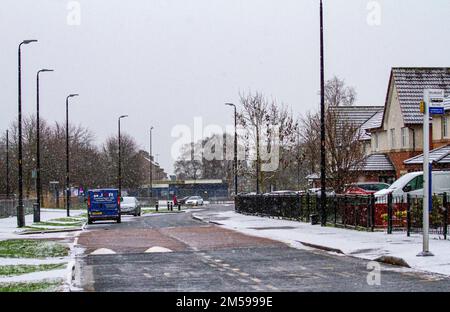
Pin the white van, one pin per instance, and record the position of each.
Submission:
(412, 183)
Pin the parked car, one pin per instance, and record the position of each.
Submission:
(194, 201)
(182, 201)
(412, 183)
(366, 188)
(130, 205)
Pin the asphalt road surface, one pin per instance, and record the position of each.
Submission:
(205, 257)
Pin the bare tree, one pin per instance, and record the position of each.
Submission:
(133, 173)
(338, 94)
(345, 151)
(260, 117)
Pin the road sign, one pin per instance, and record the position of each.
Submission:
(435, 99)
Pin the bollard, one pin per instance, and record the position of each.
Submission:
(36, 213)
(445, 204)
(179, 207)
(168, 206)
(408, 215)
(389, 212)
(156, 206)
(372, 209)
(171, 206)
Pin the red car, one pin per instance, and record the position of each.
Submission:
(366, 188)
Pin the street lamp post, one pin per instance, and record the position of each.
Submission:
(7, 164)
(235, 163)
(323, 199)
(38, 148)
(119, 178)
(20, 210)
(67, 155)
(151, 165)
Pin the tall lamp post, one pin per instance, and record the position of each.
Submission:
(7, 164)
(20, 210)
(38, 148)
(67, 155)
(119, 178)
(323, 198)
(151, 165)
(235, 163)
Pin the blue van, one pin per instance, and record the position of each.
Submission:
(103, 204)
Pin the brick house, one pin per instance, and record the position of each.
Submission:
(399, 135)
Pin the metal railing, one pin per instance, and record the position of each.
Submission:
(366, 212)
(8, 207)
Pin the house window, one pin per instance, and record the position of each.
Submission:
(404, 137)
(393, 138)
(444, 126)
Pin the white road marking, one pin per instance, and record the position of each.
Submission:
(103, 251)
(158, 249)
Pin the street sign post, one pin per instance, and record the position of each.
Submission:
(433, 103)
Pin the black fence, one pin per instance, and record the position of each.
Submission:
(8, 207)
(392, 213)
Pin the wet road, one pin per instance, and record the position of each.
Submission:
(205, 257)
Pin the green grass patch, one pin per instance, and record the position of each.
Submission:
(11, 270)
(29, 287)
(29, 248)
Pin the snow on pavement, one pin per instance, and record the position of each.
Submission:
(31, 261)
(366, 245)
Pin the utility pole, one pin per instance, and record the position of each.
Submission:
(323, 198)
(119, 178)
(38, 147)
(7, 164)
(235, 162)
(68, 194)
(151, 164)
(20, 209)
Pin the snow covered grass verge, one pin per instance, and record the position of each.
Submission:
(11, 270)
(31, 248)
(57, 224)
(44, 286)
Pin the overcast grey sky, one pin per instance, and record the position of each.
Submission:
(164, 62)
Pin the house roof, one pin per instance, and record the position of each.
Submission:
(357, 116)
(377, 162)
(438, 156)
(411, 82)
(372, 123)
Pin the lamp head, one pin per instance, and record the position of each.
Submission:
(45, 70)
(123, 116)
(29, 41)
(72, 95)
(230, 104)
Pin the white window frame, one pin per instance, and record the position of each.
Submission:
(405, 134)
